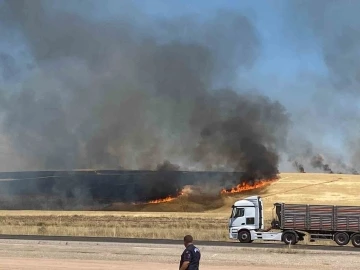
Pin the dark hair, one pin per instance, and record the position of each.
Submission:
(188, 239)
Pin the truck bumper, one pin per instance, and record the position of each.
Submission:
(233, 233)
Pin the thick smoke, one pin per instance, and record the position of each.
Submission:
(303, 154)
(117, 94)
(162, 183)
(244, 134)
(318, 162)
(132, 91)
(299, 167)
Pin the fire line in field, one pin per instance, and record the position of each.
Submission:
(246, 186)
(237, 189)
(167, 199)
(164, 200)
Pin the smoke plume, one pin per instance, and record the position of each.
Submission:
(133, 92)
(164, 182)
(318, 162)
(299, 167)
(120, 94)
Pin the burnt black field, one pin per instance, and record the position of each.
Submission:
(54, 190)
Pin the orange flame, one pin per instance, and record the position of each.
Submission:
(167, 199)
(245, 186)
(239, 188)
(164, 200)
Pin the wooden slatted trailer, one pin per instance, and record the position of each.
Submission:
(338, 223)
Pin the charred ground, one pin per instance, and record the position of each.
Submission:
(84, 190)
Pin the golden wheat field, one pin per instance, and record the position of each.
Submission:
(205, 219)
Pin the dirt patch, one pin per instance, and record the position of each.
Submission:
(57, 264)
(20, 254)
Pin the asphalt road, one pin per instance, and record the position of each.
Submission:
(174, 242)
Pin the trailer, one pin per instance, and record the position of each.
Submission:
(291, 223)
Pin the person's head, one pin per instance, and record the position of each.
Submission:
(188, 239)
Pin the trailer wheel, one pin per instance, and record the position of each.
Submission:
(341, 238)
(290, 238)
(355, 240)
(244, 237)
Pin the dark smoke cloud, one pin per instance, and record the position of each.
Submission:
(303, 153)
(299, 167)
(113, 94)
(318, 162)
(244, 134)
(161, 184)
(167, 166)
(131, 92)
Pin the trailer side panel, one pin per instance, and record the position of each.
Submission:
(320, 217)
(347, 218)
(294, 216)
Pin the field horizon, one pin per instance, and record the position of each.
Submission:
(171, 220)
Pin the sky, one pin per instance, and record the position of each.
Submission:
(290, 67)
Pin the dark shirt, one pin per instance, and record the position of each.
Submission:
(191, 254)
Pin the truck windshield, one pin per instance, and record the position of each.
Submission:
(233, 212)
(237, 212)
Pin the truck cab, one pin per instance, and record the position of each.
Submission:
(246, 214)
(246, 222)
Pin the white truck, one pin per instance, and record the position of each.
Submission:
(292, 222)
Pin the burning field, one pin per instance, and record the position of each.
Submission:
(119, 189)
(153, 112)
(165, 112)
(205, 217)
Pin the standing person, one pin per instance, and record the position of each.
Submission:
(190, 258)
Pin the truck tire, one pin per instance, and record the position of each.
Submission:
(290, 238)
(244, 237)
(355, 240)
(341, 238)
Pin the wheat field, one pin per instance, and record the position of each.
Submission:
(208, 223)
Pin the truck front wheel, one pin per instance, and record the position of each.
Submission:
(244, 237)
(289, 238)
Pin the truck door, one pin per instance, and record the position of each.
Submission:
(237, 217)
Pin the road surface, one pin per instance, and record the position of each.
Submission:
(272, 245)
(67, 255)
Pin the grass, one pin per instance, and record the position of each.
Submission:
(209, 223)
(148, 225)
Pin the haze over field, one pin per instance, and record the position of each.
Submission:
(132, 85)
